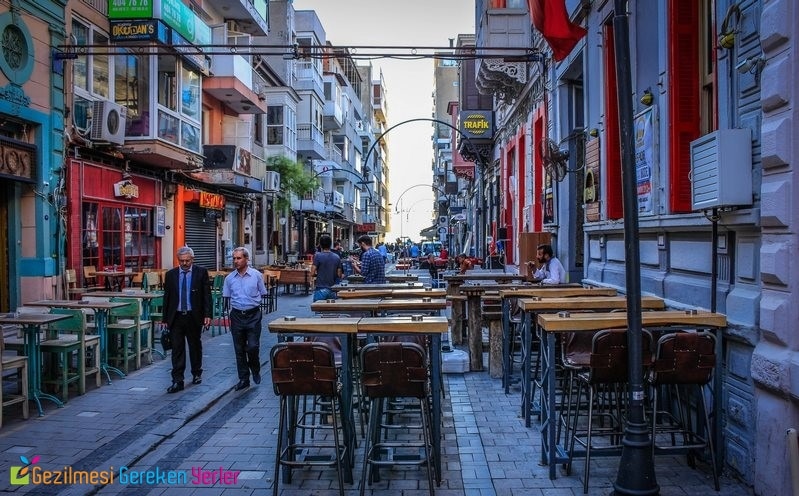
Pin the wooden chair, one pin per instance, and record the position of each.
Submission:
(219, 316)
(272, 282)
(90, 279)
(71, 279)
(16, 366)
(151, 282)
(124, 334)
(71, 337)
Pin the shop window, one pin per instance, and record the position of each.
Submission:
(116, 236)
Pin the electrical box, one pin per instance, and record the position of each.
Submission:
(721, 169)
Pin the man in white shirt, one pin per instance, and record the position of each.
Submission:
(549, 269)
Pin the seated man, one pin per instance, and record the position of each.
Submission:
(549, 269)
(463, 263)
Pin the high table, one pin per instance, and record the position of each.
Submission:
(533, 306)
(141, 295)
(392, 293)
(31, 325)
(100, 309)
(114, 278)
(375, 305)
(347, 329)
(388, 285)
(549, 324)
(484, 275)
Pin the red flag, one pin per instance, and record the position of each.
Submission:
(552, 20)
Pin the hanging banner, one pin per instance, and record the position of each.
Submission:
(645, 159)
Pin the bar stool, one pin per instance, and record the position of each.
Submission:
(683, 359)
(604, 383)
(395, 370)
(301, 369)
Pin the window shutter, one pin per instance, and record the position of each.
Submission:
(615, 205)
(684, 106)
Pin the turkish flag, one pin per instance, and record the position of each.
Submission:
(552, 20)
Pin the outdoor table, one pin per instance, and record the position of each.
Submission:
(393, 293)
(433, 327)
(31, 325)
(549, 324)
(402, 277)
(533, 306)
(485, 275)
(359, 287)
(145, 297)
(114, 278)
(374, 305)
(100, 309)
(346, 329)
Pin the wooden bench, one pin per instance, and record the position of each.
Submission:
(292, 277)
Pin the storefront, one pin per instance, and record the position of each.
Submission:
(115, 219)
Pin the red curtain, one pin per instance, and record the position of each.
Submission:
(552, 20)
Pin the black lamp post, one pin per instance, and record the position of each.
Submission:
(636, 475)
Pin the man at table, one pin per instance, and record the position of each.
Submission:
(187, 308)
(243, 290)
(327, 270)
(549, 269)
(371, 265)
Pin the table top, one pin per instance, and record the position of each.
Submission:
(142, 295)
(350, 325)
(403, 324)
(587, 303)
(555, 322)
(31, 318)
(390, 286)
(556, 292)
(402, 277)
(340, 325)
(393, 293)
(115, 273)
(93, 304)
(485, 276)
(371, 304)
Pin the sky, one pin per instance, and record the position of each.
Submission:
(409, 85)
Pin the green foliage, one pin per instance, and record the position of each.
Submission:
(294, 178)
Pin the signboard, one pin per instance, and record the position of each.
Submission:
(212, 200)
(159, 228)
(17, 160)
(476, 124)
(139, 30)
(645, 159)
(365, 227)
(174, 13)
(126, 189)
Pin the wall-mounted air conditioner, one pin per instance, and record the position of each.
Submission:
(721, 169)
(229, 157)
(108, 122)
(272, 182)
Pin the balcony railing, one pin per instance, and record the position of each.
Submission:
(333, 154)
(309, 132)
(257, 167)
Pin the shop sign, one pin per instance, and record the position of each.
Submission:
(17, 160)
(365, 227)
(174, 13)
(138, 30)
(126, 189)
(477, 124)
(212, 200)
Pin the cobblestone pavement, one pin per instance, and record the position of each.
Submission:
(207, 432)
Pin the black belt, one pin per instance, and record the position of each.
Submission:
(187, 312)
(247, 312)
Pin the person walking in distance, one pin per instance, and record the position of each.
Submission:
(187, 308)
(327, 269)
(243, 290)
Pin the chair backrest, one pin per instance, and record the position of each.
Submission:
(609, 358)
(303, 368)
(218, 282)
(685, 358)
(71, 277)
(76, 323)
(393, 370)
(89, 271)
(130, 311)
(150, 281)
(271, 277)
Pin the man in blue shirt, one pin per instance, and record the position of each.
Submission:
(243, 290)
(326, 269)
(371, 267)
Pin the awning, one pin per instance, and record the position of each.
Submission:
(429, 232)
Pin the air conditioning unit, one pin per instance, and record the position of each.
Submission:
(272, 182)
(721, 169)
(108, 122)
(230, 157)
